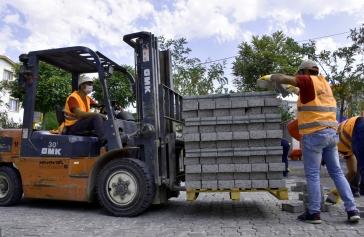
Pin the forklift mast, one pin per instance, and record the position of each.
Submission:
(159, 108)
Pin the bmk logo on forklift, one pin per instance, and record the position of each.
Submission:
(51, 149)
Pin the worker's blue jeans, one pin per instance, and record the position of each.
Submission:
(315, 146)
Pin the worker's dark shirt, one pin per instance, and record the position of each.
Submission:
(285, 145)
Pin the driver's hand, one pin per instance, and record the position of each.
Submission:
(103, 116)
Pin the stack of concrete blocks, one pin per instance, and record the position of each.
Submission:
(293, 206)
(233, 141)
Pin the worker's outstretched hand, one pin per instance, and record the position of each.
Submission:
(335, 193)
(265, 78)
(293, 89)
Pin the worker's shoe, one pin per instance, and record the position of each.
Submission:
(313, 219)
(288, 170)
(353, 215)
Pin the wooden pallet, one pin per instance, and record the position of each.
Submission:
(279, 193)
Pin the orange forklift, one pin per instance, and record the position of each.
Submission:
(142, 163)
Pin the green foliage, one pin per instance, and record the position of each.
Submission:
(53, 88)
(265, 55)
(5, 121)
(119, 88)
(190, 76)
(51, 121)
(286, 113)
(344, 71)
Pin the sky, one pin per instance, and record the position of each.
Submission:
(213, 28)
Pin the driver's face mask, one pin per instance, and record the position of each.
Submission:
(88, 89)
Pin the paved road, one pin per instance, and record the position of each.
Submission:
(213, 214)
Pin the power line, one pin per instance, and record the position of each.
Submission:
(297, 42)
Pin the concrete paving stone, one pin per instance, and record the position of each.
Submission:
(193, 177)
(224, 144)
(258, 134)
(206, 104)
(190, 129)
(209, 152)
(293, 207)
(242, 168)
(207, 121)
(240, 135)
(210, 168)
(208, 136)
(205, 113)
(193, 153)
(257, 151)
(272, 142)
(256, 121)
(268, 101)
(276, 166)
(271, 126)
(258, 176)
(226, 184)
(209, 176)
(240, 143)
(273, 118)
(189, 114)
(225, 151)
(270, 110)
(223, 128)
(277, 183)
(239, 103)
(192, 122)
(239, 127)
(208, 160)
(255, 102)
(225, 176)
(240, 159)
(226, 168)
(253, 111)
(192, 145)
(224, 136)
(257, 143)
(193, 184)
(208, 144)
(207, 129)
(259, 183)
(237, 112)
(192, 161)
(189, 105)
(209, 184)
(259, 167)
(242, 151)
(274, 175)
(221, 112)
(224, 120)
(192, 137)
(223, 104)
(243, 183)
(224, 160)
(256, 159)
(274, 134)
(274, 150)
(193, 168)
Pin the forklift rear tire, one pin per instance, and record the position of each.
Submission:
(11, 189)
(125, 187)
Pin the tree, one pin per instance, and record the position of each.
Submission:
(54, 86)
(119, 88)
(190, 76)
(265, 55)
(5, 121)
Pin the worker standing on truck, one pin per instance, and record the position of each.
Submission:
(317, 124)
(78, 116)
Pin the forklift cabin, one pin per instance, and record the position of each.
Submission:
(142, 163)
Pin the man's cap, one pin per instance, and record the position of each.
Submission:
(308, 64)
(83, 80)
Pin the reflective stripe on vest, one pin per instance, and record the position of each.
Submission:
(317, 108)
(345, 135)
(316, 124)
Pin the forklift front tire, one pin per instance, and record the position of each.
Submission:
(125, 187)
(11, 189)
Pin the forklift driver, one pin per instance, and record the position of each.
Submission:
(78, 117)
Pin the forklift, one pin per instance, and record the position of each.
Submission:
(142, 164)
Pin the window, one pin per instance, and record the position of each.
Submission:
(14, 105)
(8, 76)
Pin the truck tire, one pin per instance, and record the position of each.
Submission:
(125, 187)
(11, 189)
